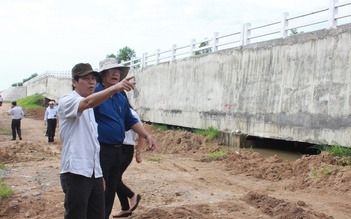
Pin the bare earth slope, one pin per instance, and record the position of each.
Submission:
(177, 182)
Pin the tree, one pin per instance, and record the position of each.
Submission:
(24, 80)
(294, 31)
(32, 76)
(125, 54)
(203, 51)
(111, 56)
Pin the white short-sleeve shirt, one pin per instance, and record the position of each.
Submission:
(78, 132)
(130, 136)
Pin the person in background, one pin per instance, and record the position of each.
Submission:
(47, 126)
(17, 115)
(50, 119)
(1, 99)
(113, 118)
(81, 174)
(124, 193)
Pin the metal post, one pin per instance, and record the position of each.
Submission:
(143, 60)
(174, 49)
(332, 13)
(131, 62)
(245, 33)
(215, 42)
(285, 24)
(157, 56)
(192, 47)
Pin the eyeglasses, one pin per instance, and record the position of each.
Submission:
(114, 71)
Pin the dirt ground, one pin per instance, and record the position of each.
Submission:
(178, 181)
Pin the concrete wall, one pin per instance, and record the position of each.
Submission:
(50, 87)
(14, 93)
(296, 88)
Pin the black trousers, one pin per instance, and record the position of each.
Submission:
(110, 158)
(123, 191)
(16, 126)
(84, 197)
(51, 123)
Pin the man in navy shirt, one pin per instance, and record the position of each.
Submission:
(114, 118)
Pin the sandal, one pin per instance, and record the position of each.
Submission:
(122, 214)
(135, 203)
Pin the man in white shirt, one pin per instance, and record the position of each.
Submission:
(17, 115)
(81, 174)
(51, 121)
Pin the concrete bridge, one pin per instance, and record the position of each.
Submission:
(297, 88)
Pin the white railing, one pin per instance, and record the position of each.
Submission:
(337, 13)
(56, 74)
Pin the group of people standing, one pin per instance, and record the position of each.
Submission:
(98, 129)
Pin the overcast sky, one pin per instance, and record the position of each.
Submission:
(42, 35)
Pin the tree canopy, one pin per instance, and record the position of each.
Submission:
(24, 80)
(294, 31)
(124, 54)
(203, 51)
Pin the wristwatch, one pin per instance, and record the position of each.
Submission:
(137, 152)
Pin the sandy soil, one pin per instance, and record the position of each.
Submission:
(178, 181)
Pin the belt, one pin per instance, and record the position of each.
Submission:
(110, 145)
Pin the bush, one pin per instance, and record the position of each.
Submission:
(5, 190)
(210, 132)
(217, 155)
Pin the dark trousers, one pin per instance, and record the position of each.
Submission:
(16, 126)
(123, 191)
(84, 197)
(110, 158)
(51, 123)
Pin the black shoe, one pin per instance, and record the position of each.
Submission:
(13, 139)
(20, 138)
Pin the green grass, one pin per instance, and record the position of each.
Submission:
(217, 155)
(160, 127)
(335, 150)
(154, 159)
(5, 190)
(31, 101)
(339, 151)
(210, 132)
(2, 166)
(321, 173)
(163, 127)
(5, 132)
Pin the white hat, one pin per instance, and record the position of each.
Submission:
(51, 102)
(110, 63)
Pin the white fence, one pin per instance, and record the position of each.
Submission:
(336, 14)
(56, 74)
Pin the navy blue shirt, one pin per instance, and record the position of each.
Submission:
(113, 118)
